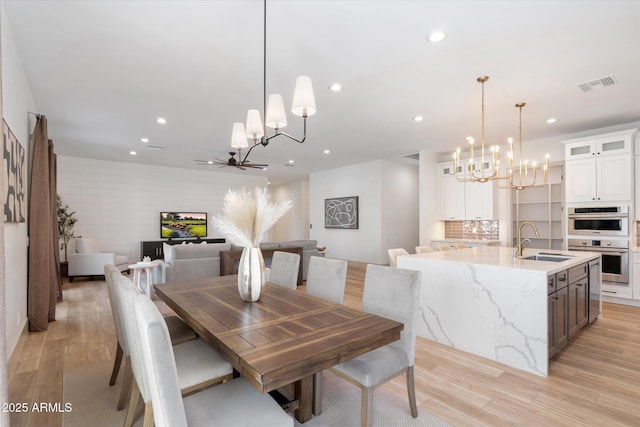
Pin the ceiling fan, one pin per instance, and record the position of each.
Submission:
(232, 162)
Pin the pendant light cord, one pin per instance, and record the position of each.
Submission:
(264, 70)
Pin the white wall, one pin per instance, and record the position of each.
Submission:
(119, 204)
(400, 207)
(388, 209)
(294, 225)
(17, 102)
(362, 180)
(429, 222)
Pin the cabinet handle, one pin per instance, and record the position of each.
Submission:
(610, 292)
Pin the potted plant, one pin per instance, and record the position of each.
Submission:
(66, 223)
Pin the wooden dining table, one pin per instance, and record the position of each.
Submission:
(282, 339)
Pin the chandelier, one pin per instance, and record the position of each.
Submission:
(523, 175)
(303, 105)
(520, 177)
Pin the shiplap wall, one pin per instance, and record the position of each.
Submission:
(119, 204)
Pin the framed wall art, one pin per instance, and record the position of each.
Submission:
(341, 212)
(13, 169)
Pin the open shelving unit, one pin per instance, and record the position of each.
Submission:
(544, 207)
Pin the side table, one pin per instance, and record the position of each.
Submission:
(147, 267)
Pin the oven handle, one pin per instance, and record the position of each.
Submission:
(603, 250)
(597, 216)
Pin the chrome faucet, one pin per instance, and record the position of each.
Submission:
(520, 246)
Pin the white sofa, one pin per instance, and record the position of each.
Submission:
(89, 260)
(190, 261)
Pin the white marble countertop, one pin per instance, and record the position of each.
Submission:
(500, 256)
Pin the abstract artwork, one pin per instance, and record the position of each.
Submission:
(13, 174)
(341, 212)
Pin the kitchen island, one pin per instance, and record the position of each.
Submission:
(484, 301)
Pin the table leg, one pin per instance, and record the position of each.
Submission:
(136, 279)
(149, 282)
(304, 395)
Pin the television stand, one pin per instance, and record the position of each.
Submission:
(153, 248)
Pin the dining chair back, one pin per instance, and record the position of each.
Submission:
(233, 403)
(393, 293)
(423, 249)
(394, 254)
(199, 365)
(461, 245)
(445, 247)
(284, 269)
(111, 273)
(327, 278)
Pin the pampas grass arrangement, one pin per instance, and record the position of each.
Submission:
(248, 215)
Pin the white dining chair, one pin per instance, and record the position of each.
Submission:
(461, 245)
(423, 249)
(394, 254)
(234, 403)
(326, 279)
(445, 247)
(393, 293)
(178, 331)
(284, 269)
(199, 366)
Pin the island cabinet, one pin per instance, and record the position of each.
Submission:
(578, 315)
(558, 308)
(504, 300)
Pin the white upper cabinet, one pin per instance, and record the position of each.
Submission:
(603, 145)
(451, 192)
(464, 200)
(600, 169)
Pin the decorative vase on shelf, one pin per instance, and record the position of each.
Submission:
(247, 216)
(251, 277)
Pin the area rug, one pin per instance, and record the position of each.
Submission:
(93, 403)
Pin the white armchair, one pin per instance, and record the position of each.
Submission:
(90, 261)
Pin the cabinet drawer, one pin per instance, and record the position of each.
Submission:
(578, 272)
(561, 280)
(636, 258)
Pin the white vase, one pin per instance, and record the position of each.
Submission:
(251, 276)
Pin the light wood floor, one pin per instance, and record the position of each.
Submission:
(595, 381)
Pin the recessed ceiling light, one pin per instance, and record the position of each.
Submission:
(133, 153)
(336, 87)
(145, 140)
(264, 169)
(327, 151)
(436, 36)
(552, 120)
(291, 161)
(161, 120)
(210, 162)
(418, 118)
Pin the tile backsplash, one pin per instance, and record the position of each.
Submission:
(472, 230)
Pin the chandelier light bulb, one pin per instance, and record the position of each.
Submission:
(254, 129)
(304, 102)
(239, 136)
(276, 116)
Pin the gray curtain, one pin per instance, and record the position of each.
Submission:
(44, 278)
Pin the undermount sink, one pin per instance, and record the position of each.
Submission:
(552, 258)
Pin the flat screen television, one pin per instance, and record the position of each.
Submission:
(176, 225)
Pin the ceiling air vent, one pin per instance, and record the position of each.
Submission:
(155, 147)
(597, 83)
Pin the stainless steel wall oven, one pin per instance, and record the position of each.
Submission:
(615, 257)
(602, 221)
